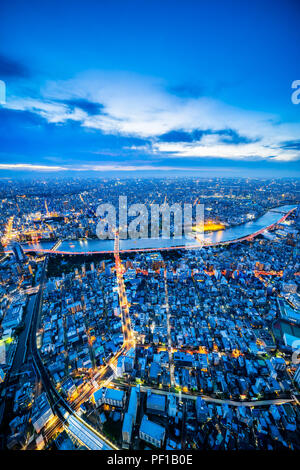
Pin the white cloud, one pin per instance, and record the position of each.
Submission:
(116, 167)
(141, 107)
(251, 151)
(89, 167)
(28, 166)
(50, 110)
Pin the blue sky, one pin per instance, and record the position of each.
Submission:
(150, 87)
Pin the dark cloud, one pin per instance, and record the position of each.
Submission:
(291, 144)
(10, 68)
(87, 106)
(182, 136)
(29, 134)
(11, 119)
(188, 90)
(227, 136)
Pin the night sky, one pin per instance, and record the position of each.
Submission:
(150, 87)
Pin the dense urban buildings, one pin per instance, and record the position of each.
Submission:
(106, 346)
(149, 231)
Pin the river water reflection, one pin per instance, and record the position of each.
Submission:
(233, 233)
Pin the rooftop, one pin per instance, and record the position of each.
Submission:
(152, 429)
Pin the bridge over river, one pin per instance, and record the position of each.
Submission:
(246, 231)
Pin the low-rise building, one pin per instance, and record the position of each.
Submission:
(152, 432)
(109, 396)
(41, 412)
(155, 402)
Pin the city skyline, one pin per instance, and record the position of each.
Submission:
(150, 229)
(149, 344)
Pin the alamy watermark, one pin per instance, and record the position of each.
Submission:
(296, 94)
(2, 92)
(157, 221)
(296, 353)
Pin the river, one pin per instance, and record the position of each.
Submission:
(220, 236)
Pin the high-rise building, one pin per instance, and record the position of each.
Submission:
(130, 416)
(127, 429)
(201, 409)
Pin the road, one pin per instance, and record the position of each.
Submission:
(21, 350)
(276, 401)
(63, 409)
(128, 341)
(18, 361)
(170, 352)
(60, 406)
(106, 374)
